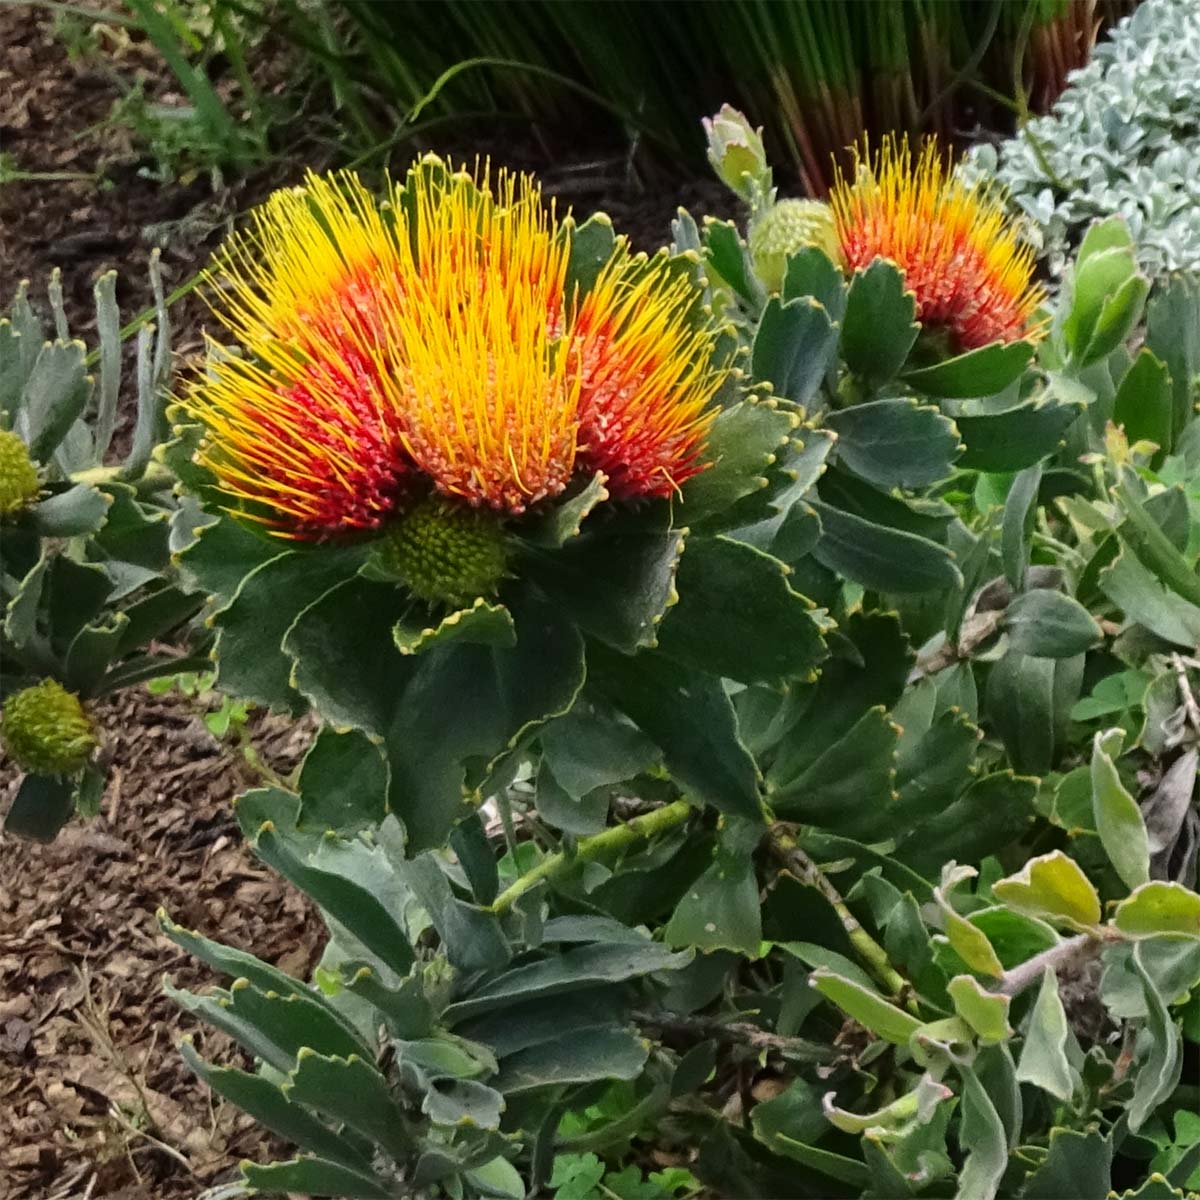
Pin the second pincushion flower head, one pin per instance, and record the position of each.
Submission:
(431, 347)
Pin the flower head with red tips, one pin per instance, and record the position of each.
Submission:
(432, 344)
(960, 252)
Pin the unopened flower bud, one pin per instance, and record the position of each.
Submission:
(735, 149)
(446, 553)
(46, 729)
(786, 227)
(18, 475)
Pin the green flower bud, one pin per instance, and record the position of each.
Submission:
(46, 730)
(735, 149)
(786, 227)
(18, 475)
(446, 552)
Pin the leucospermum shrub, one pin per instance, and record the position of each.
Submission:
(715, 678)
(83, 548)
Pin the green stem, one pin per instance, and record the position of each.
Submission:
(154, 478)
(589, 848)
(872, 954)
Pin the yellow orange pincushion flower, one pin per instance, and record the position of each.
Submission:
(959, 250)
(429, 344)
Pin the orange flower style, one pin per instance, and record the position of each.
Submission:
(429, 344)
(960, 252)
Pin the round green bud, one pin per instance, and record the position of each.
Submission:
(46, 730)
(446, 553)
(786, 227)
(18, 475)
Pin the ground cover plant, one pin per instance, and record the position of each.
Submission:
(1119, 141)
(758, 688)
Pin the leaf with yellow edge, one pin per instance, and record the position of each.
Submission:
(985, 1012)
(1054, 887)
(1159, 909)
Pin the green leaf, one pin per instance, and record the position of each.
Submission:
(737, 616)
(471, 936)
(794, 345)
(896, 443)
(1118, 317)
(1020, 513)
(1146, 600)
(498, 1179)
(267, 1104)
(689, 715)
(1118, 818)
(1077, 1167)
(1044, 1062)
(563, 521)
(1049, 624)
(91, 651)
(982, 1136)
(868, 1008)
(990, 814)
(1142, 533)
(1159, 909)
(970, 943)
(42, 806)
(618, 581)
(848, 788)
(350, 1090)
(343, 783)
(720, 911)
(589, 749)
(1015, 438)
(1145, 405)
(577, 1056)
(250, 662)
(743, 442)
(483, 624)
(55, 396)
(313, 1177)
(464, 1103)
(593, 244)
(882, 559)
(1173, 334)
(353, 904)
(985, 371)
(222, 555)
(80, 509)
(579, 969)
(21, 611)
(879, 327)
(1020, 701)
(1054, 888)
(726, 254)
(1160, 1061)
(986, 1012)
(811, 272)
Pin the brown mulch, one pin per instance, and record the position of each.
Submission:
(91, 1086)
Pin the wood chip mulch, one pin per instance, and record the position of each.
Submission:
(95, 1101)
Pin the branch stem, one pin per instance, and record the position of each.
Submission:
(617, 838)
(154, 478)
(873, 956)
(1060, 957)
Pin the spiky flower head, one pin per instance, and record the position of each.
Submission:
(446, 553)
(46, 729)
(961, 253)
(784, 228)
(430, 343)
(18, 474)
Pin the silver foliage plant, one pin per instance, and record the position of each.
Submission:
(1123, 139)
